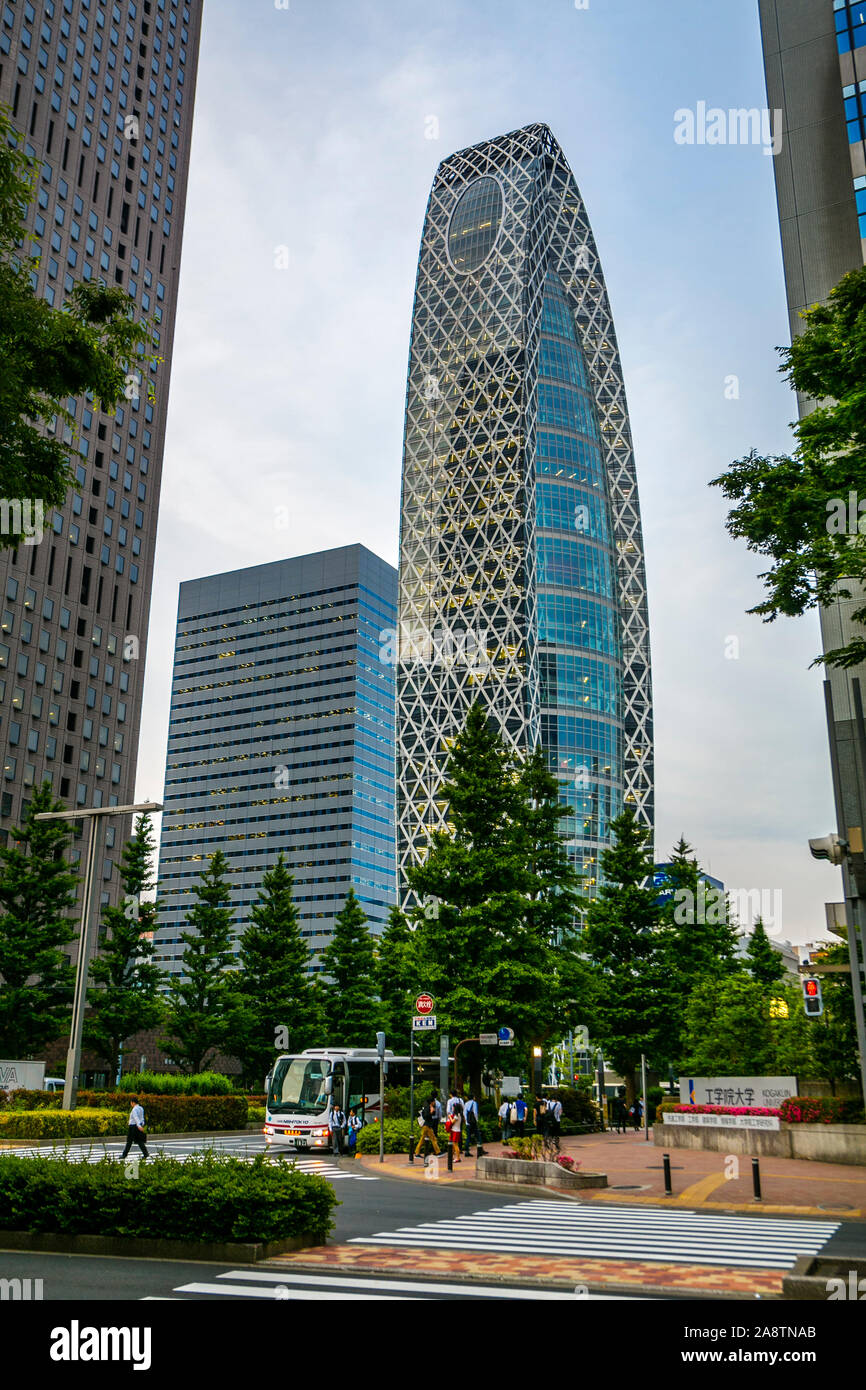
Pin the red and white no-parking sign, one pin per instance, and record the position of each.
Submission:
(424, 1004)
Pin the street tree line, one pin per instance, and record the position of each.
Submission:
(499, 933)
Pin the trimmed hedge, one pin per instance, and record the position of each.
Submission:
(396, 1137)
(208, 1197)
(256, 1114)
(23, 1099)
(177, 1114)
(62, 1124)
(807, 1110)
(203, 1083)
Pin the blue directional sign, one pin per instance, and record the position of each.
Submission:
(506, 1037)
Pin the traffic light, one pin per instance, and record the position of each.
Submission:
(813, 1004)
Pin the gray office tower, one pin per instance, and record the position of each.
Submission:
(103, 96)
(281, 740)
(522, 578)
(815, 65)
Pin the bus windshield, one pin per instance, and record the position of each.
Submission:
(298, 1085)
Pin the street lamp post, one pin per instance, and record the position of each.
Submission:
(85, 938)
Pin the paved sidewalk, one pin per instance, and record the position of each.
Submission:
(700, 1179)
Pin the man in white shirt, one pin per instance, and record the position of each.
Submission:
(135, 1132)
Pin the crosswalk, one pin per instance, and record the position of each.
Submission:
(304, 1287)
(618, 1233)
(182, 1149)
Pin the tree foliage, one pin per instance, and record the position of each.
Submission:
(200, 999)
(124, 997)
(353, 1014)
(92, 345)
(273, 991)
(37, 896)
(398, 982)
(765, 964)
(790, 507)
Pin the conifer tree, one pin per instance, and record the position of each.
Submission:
(623, 940)
(764, 963)
(353, 1014)
(275, 1002)
(397, 979)
(125, 994)
(200, 1000)
(37, 898)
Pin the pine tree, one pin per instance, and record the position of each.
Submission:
(698, 941)
(764, 963)
(353, 1015)
(275, 1002)
(728, 1029)
(200, 1001)
(37, 892)
(622, 939)
(125, 993)
(397, 979)
(834, 1033)
(497, 898)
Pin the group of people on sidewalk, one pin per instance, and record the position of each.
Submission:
(621, 1115)
(546, 1116)
(462, 1125)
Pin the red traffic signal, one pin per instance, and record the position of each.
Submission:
(813, 1003)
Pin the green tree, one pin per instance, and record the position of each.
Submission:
(273, 992)
(397, 979)
(498, 898)
(37, 892)
(125, 993)
(623, 940)
(200, 1000)
(353, 1015)
(793, 508)
(834, 1033)
(764, 963)
(728, 1029)
(92, 344)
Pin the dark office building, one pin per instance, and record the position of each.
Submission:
(103, 95)
(281, 740)
(521, 553)
(815, 65)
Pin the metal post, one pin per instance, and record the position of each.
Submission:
(450, 1155)
(381, 1109)
(571, 1056)
(666, 1164)
(412, 1096)
(600, 1064)
(852, 900)
(82, 970)
(756, 1180)
(645, 1102)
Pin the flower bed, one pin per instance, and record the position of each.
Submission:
(807, 1110)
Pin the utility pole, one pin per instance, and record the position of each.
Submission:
(86, 933)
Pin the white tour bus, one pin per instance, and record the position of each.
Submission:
(304, 1086)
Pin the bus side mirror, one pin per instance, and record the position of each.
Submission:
(329, 1085)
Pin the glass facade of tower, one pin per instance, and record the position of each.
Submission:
(281, 741)
(521, 554)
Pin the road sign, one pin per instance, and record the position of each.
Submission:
(424, 1004)
(581, 1036)
(506, 1037)
(489, 1039)
(424, 1023)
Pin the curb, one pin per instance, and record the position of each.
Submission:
(144, 1248)
(11, 1144)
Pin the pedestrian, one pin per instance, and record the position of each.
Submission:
(554, 1118)
(428, 1128)
(637, 1113)
(471, 1130)
(454, 1123)
(438, 1115)
(521, 1110)
(539, 1116)
(354, 1125)
(618, 1115)
(336, 1124)
(135, 1133)
(504, 1120)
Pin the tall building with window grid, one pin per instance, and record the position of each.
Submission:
(103, 95)
(521, 552)
(281, 741)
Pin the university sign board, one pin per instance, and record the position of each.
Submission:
(766, 1092)
(676, 1117)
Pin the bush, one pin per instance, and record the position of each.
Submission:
(577, 1106)
(208, 1197)
(806, 1110)
(204, 1083)
(256, 1114)
(176, 1114)
(530, 1147)
(23, 1099)
(397, 1134)
(397, 1102)
(62, 1124)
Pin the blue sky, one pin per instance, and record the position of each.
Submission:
(312, 146)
